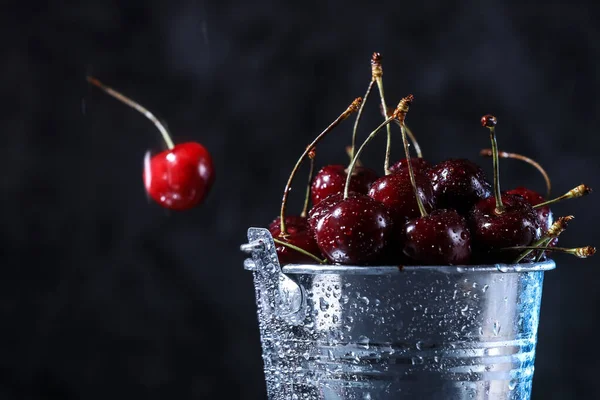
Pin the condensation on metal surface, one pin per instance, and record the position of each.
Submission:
(334, 332)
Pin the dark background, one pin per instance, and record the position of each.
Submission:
(105, 295)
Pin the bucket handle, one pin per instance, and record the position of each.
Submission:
(282, 293)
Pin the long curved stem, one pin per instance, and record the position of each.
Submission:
(411, 172)
(351, 109)
(311, 156)
(358, 116)
(413, 139)
(299, 250)
(360, 150)
(377, 76)
(495, 159)
(388, 143)
(581, 252)
(535, 164)
(138, 107)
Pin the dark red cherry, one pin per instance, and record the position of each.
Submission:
(419, 164)
(440, 238)
(331, 179)
(181, 177)
(355, 231)
(517, 225)
(299, 235)
(459, 184)
(534, 198)
(319, 210)
(396, 192)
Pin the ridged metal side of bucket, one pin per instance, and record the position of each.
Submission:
(339, 332)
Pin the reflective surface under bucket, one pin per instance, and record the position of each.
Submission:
(342, 332)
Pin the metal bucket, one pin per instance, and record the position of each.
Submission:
(390, 332)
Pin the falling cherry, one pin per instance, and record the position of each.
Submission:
(178, 178)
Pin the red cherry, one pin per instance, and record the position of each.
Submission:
(397, 193)
(299, 235)
(354, 231)
(331, 179)
(179, 178)
(318, 211)
(517, 225)
(502, 220)
(419, 164)
(545, 215)
(439, 238)
(459, 184)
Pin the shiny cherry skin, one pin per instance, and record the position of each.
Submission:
(440, 238)
(419, 165)
(397, 193)
(459, 184)
(179, 178)
(355, 231)
(319, 210)
(518, 225)
(299, 235)
(331, 179)
(534, 198)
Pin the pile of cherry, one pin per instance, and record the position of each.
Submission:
(416, 213)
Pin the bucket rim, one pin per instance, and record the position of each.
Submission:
(314, 269)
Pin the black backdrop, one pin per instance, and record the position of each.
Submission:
(105, 295)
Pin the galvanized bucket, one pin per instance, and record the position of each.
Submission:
(395, 332)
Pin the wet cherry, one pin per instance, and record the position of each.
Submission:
(397, 193)
(459, 184)
(295, 231)
(354, 231)
(318, 211)
(331, 179)
(502, 220)
(298, 235)
(178, 178)
(419, 164)
(545, 216)
(441, 237)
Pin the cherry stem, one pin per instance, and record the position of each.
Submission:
(541, 253)
(581, 252)
(349, 152)
(411, 172)
(489, 121)
(399, 112)
(413, 139)
(124, 99)
(554, 231)
(579, 191)
(359, 152)
(351, 109)
(358, 116)
(504, 154)
(299, 250)
(377, 76)
(311, 155)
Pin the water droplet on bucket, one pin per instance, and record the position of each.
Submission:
(323, 304)
(496, 328)
(418, 360)
(363, 342)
